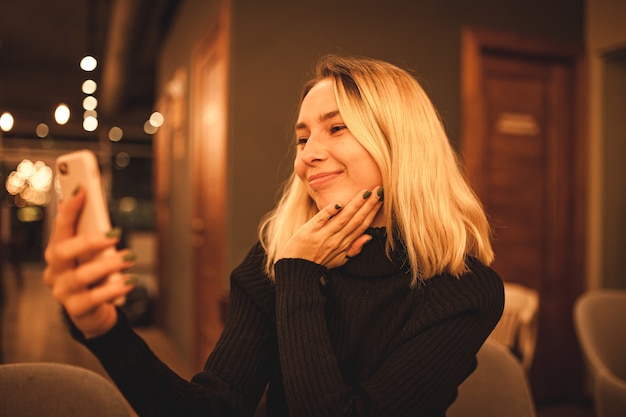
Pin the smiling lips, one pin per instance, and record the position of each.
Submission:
(318, 180)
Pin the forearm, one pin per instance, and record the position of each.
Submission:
(151, 388)
(313, 381)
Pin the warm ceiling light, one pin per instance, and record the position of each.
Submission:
(149, 129)
(88, 63)
(42, 130)
(115, 134)
(156, 119)
(90, 123)
(90, 103)
(89, 86)
(6, 122)
(62, 114)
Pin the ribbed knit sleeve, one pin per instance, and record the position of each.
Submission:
(150, 387)
(235, 374)
(313, 382)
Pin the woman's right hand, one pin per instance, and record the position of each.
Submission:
(86, 295)
(335, 234)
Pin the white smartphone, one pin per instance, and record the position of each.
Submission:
(81, 169)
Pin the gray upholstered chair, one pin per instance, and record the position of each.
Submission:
(497, 388)
(57, 390)
(600, 322)
(517, 328)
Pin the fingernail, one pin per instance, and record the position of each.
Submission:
(367, 194)
(381, 194)
(129, 256)
(338, 206)
(369, 240)
(132, 280)
(76, 190)
(115, 232)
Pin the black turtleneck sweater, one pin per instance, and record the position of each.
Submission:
(351, 341)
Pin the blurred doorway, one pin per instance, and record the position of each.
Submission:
(523, 148)
(208, 164)
(614, 170)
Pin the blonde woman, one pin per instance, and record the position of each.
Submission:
(368, 293)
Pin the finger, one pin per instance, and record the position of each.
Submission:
(358, 213)
(94, 272)
(342, 230)
(67, 217)
(62, 254)
(357, 245)
(86, 301)
(65, 222)
(326, 213)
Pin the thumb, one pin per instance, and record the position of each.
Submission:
(357, 245)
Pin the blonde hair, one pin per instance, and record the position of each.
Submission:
(428, 205)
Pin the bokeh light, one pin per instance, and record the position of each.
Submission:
(115, 134)
(89, 87)
(88, 63)
(6, 121)
(62, 114)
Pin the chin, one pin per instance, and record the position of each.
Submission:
(323, 199)
(320, 203)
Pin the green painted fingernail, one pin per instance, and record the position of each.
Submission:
(115, 232)
(338, 206)
(132, 280)
(367, 194)
(129, 256)
(76, 190)
(381, 194)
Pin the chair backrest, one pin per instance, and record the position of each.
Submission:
(55, 389)
(517, 328)
(600, 322)
(497, 388)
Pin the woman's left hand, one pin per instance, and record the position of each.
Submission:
(335, 233)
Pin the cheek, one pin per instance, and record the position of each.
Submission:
(299, 168)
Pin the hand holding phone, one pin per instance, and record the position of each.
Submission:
(81, 169)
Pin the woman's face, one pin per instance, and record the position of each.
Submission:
(330, 161)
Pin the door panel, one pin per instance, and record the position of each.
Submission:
(522, 151)
(208, 174)
(516, 177)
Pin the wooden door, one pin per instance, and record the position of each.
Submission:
(208, 160)
(168, 146)
(522, 146)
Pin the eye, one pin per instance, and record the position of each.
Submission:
(301, 141)
(337, 128)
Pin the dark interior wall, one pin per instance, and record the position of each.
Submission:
(276, 43)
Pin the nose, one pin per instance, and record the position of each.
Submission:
(313, 151)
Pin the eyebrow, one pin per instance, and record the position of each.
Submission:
(323, 117)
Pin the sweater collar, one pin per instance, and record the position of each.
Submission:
(373, 260)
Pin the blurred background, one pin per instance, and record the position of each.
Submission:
(190, 105)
